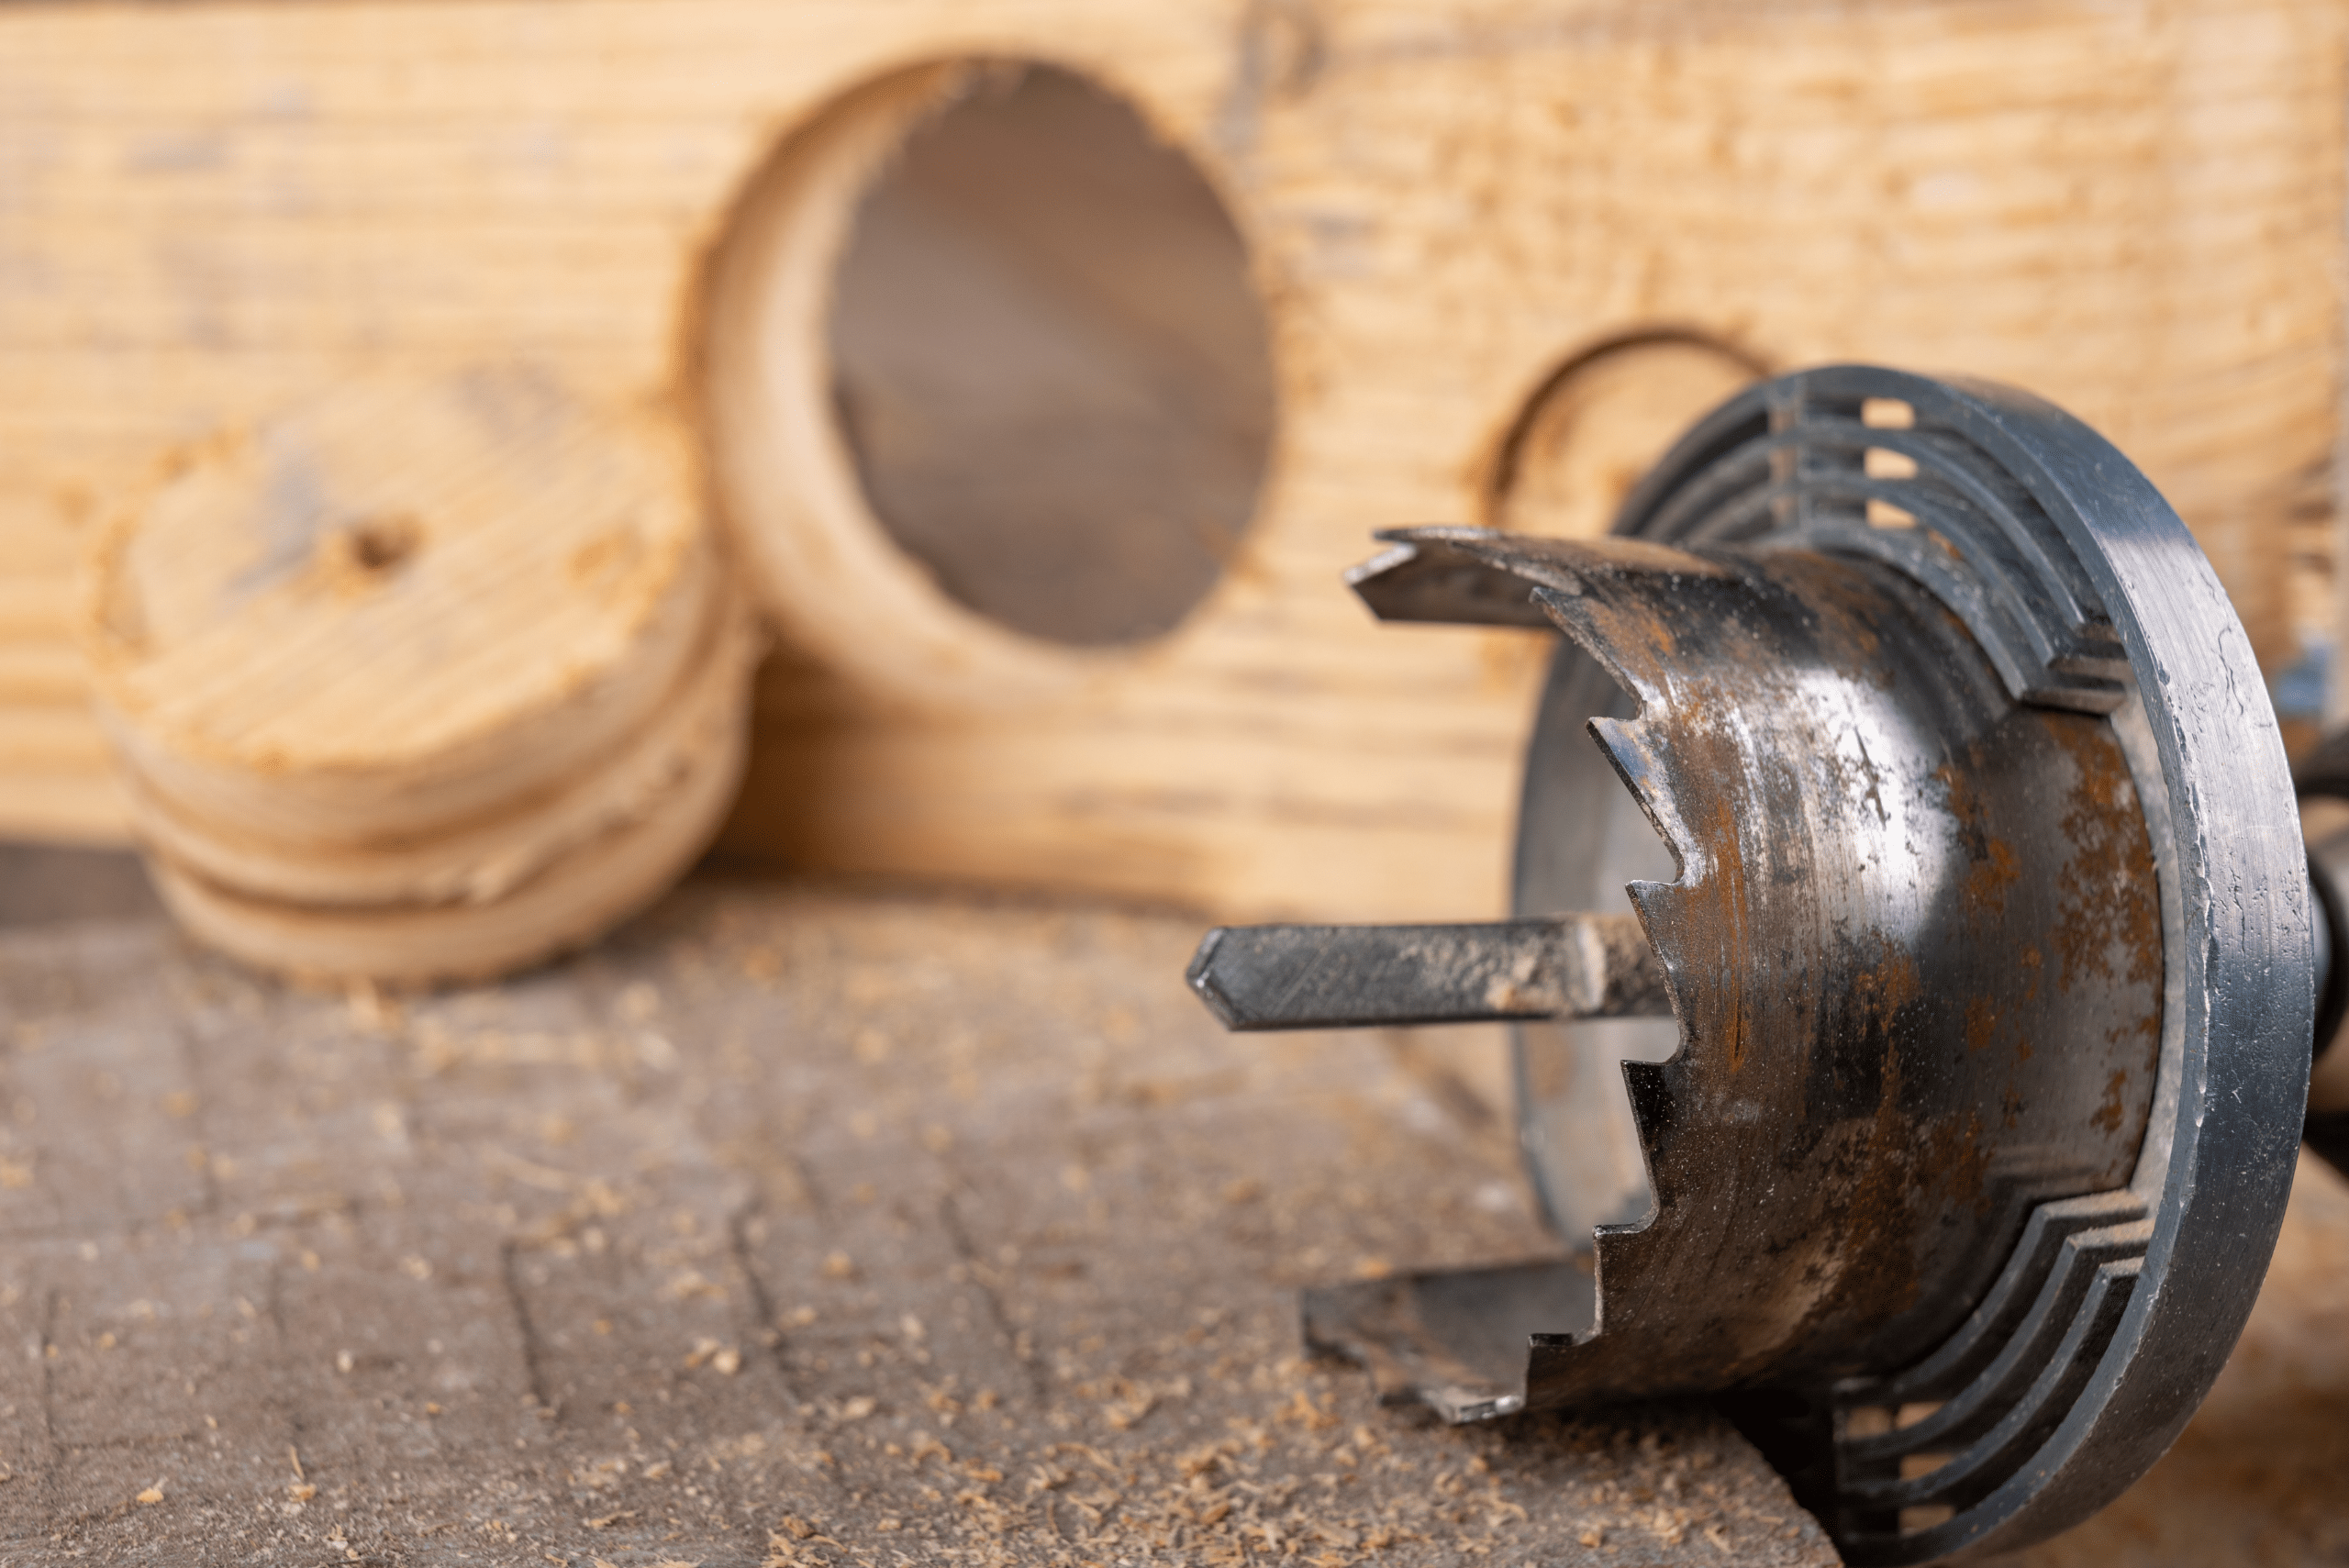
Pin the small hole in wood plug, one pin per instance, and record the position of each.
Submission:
(377, 545)
(362, 556)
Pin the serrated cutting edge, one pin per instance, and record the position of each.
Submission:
(1987, 950)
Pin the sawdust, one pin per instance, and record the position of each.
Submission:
(485, 1276)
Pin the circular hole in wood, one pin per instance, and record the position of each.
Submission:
(1050, 366)
(1593, 429)
(376, 545)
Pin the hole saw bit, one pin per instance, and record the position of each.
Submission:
(1915, 987)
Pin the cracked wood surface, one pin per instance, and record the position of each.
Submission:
(790, 1227)
(798, 1226)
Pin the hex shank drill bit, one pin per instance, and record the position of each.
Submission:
(1305, 977)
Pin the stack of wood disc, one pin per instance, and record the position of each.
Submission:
(426, 680)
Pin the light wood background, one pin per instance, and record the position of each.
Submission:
(208, 211)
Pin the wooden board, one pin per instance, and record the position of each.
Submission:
(789, 1229)
(742, 1219)
(2136, 209)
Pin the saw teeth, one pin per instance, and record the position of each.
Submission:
(1636, 748)
(1805, 728)
(1918, 951)
(1638, 751)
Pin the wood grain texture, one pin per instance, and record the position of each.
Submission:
(2135, 209)
(425, 679)
(785, 1230)
(641, 847)
(401, 602)
(617, 1261)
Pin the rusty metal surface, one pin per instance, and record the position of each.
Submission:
(1896, 1041)
(1915, 950)
(2063, 560)
(1989, 942)
(1308, 977)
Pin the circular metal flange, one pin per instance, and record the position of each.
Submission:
(2094, 1343)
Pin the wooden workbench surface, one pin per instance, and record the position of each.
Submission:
(792, 1227)
(805, 1226)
